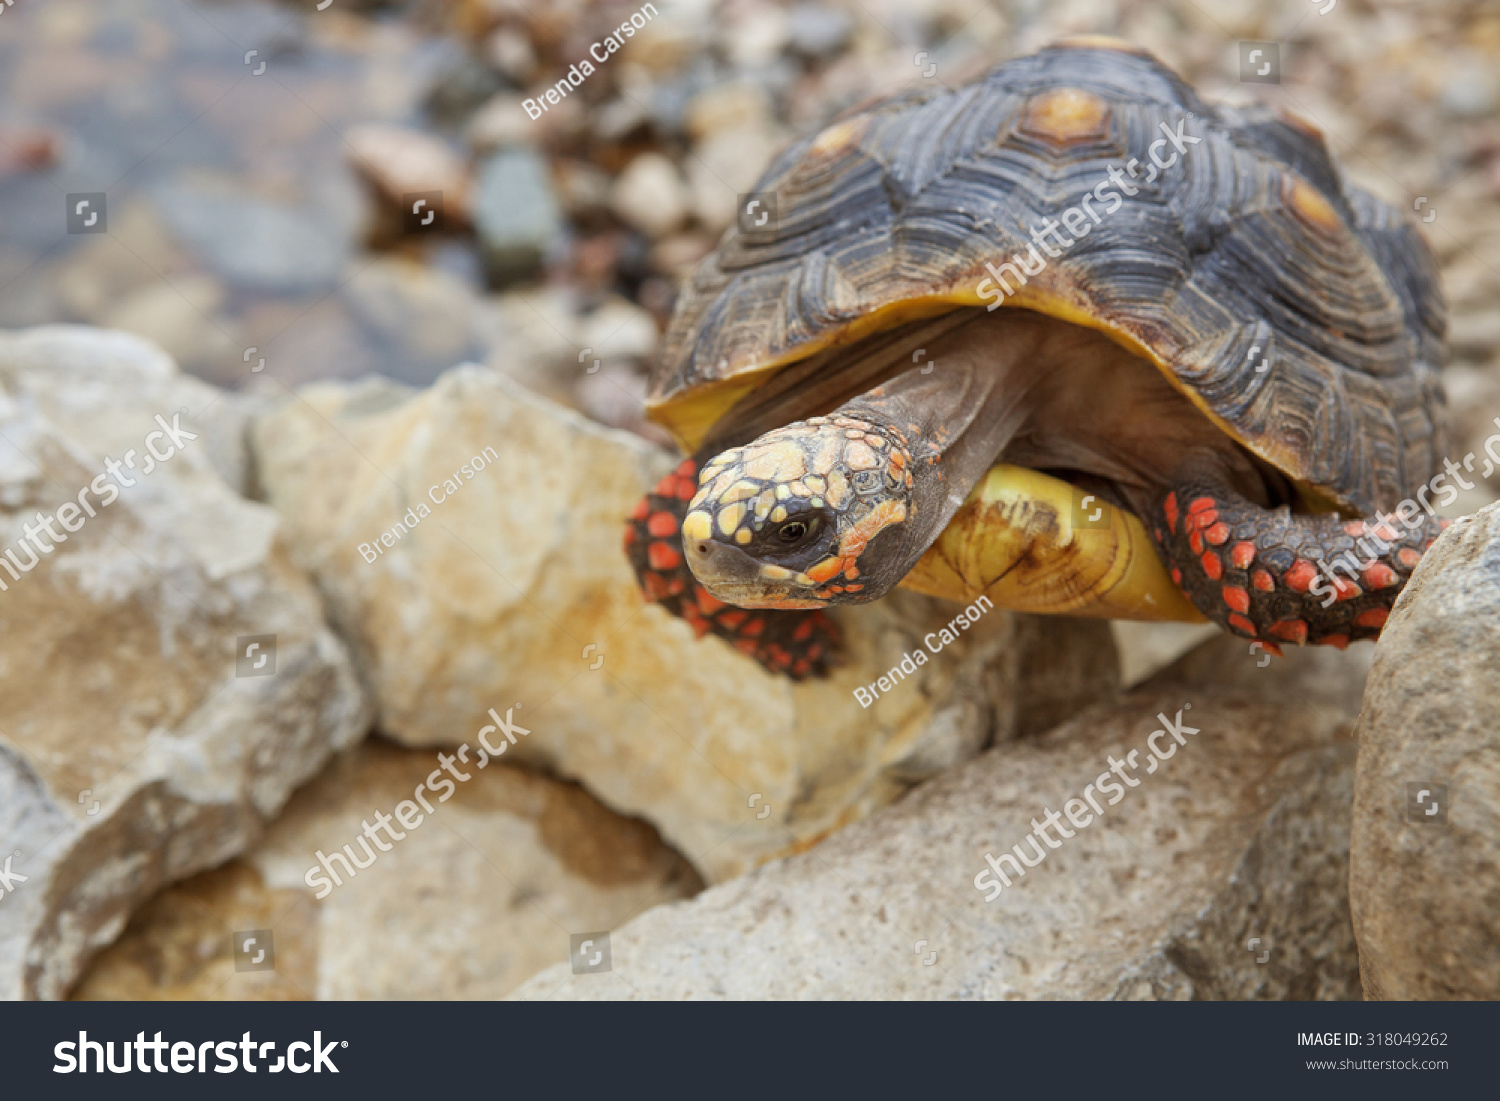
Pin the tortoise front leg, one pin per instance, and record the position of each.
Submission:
(1270, 575)
(795, 643)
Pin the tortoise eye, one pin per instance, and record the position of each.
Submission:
(792, 532)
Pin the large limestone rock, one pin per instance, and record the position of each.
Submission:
(1425, 869)
(131, 752)
(1222, 875)
(467, 539)
(468, 904)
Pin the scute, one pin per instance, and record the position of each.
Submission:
(1252, 248)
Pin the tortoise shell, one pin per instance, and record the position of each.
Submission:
(1302, 314)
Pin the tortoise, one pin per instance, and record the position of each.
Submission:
(1067, 338)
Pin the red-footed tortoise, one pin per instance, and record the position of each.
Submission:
(1215, 370)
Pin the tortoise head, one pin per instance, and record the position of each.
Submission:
(807, 515)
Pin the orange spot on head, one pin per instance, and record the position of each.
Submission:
(858, 537)
(1374, 617)
(1241, 555)
(826, 570)
(1292, 630)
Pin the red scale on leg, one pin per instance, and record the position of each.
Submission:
(795, 643)
(1237, 598)
(1241, 555)
(1212, 566)
(1170, 508)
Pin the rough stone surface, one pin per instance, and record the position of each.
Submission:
(1241, 833)
(1425, 889)
(514, 591)
(131, 754)
(479, 897)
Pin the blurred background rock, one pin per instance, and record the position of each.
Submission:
(257, 160)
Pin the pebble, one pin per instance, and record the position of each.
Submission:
(399, 160)
(650, 195)
(515, 214)
(817, 31)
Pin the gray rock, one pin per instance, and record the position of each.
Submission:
(255, 242)
(1222, 875)
(817, 31)
(515, 213)
(1425, 896)
(131, 752)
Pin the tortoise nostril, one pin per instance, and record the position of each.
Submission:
(702, 548)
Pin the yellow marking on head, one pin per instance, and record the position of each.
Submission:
(857, 456)
(740, 491)
(775, 573)
(708, 473)
(763, 504)
(816, 502)
(697, 525)
(815, 483)
(781, 461)
(1064, 116)
(778, 515)
(800, 489)
(743, 536)
(730, 517)
(783, 492)
(838, 488)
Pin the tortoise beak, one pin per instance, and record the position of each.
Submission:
(732, 576)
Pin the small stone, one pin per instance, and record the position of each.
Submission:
(184, 316)
(255, 242)
(817, 31)
(511, 53)
(650, 195)
(1471, 91)
(735, 106)
(424, 315)
(400, 161)
(515, 215)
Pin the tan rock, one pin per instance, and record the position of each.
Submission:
(513, 588)
(1425, 896)
(650, 195)
(1232, 852)
(490, 889)
(138, 742)
(399, 161)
